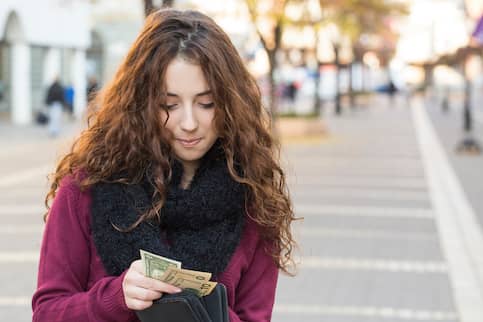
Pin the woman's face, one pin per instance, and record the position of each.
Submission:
(191, 112)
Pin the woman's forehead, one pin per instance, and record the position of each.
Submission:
(185, 78)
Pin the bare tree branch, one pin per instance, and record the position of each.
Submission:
(149, 6)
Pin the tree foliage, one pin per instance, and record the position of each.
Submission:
(356, 18)
(268, 18)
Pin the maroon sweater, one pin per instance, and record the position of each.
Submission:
(74, 286)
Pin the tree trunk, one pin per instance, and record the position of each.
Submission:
(352, 100)
(272, 58)
(272, 98)
(317, 97)
(148, 7)
(467, 117)
(338, 110)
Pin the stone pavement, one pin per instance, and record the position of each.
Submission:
(27, 155)
(378, 242)
(468, 168)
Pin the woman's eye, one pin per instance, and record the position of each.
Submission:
(207, 105)
(169, 106)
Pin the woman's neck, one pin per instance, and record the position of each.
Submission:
(189, 169)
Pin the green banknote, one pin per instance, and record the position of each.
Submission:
(170, 271)
(155, 265)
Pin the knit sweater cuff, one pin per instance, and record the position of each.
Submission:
(115, 303)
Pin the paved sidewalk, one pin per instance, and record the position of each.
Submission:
(375, 244)
(27, 156)
(468, 168)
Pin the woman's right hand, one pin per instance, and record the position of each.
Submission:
(140, 291)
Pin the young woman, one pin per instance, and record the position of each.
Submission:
(177, 160)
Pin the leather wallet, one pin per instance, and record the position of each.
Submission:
(188, 307)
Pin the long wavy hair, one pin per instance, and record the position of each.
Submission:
(126, 133)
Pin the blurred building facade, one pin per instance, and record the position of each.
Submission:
(39, 41)
(114, 25)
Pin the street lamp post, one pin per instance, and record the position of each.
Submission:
(338, 109)
(469, 144)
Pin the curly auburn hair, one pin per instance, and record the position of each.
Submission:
(126, 133)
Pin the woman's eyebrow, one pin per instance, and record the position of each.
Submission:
(208, 92)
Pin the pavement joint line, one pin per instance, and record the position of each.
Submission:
(16, 150)
(349, 172)
(25, 209)
(389, 162)
(310, 182)
(11, 301)
(383, 154)
(459, 231)
(21, 229)
(350, 175)
(19, 257)
(363, 234)
(24, 175)
(365, 193)
(374, 170)
(365, 311)
(362, 211)
(394, 266)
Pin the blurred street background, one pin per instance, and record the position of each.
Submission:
(379, 108)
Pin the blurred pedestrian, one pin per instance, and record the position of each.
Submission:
(2, 89)
(92, 88)
(391, 90)
(179, 161)
(69, 100)
(55, 102)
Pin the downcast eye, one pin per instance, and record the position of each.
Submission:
(169, 107)
(208, 105)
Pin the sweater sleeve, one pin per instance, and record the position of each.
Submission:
(62, 288)
(255, 294)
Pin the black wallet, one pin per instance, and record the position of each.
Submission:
(188, 307)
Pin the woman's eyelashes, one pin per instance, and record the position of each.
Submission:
(207, 105)
(168, 107)
(173, 106)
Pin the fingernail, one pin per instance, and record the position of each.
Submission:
(178, 290)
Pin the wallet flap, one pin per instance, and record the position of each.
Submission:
(188, 307)
(174, 310)
(216, 304)
(181, 307)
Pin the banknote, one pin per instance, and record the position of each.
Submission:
(155, 266)
(186, 274)
(195, 281)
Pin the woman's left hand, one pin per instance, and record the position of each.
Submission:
(140, 291)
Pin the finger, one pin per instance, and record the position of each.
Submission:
(138, 279)
(137, 266)
(156, 285)
(138, 305)
(142, 294)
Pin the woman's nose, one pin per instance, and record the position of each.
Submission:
(189, 122)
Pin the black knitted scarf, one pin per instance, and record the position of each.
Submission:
(200, 226)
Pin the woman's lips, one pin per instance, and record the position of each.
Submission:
(189, 143)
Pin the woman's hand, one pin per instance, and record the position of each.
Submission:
(140, 291)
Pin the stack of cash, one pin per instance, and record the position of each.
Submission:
(170, 271)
